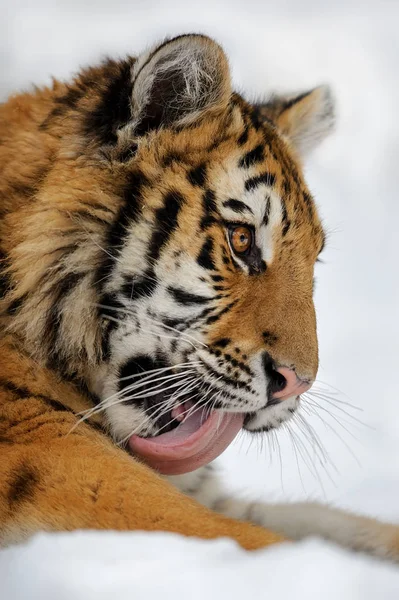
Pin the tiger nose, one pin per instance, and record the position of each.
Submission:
(288, 384)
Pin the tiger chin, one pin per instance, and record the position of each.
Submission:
(157, 247)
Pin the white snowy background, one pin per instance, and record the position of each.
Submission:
(273, 45)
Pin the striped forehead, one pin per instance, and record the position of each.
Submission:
(187, 186)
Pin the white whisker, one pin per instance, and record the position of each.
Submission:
(334, 431)
(105, 404)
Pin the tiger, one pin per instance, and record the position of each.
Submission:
(157, 247)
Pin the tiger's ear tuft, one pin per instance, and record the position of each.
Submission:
(305, 119)
(178, 82)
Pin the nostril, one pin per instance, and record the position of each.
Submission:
(278, 382)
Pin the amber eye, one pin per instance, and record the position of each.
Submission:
(241, 238)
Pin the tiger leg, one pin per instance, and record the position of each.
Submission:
(295, 520)
(306, 519)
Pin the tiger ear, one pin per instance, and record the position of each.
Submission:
(179, 81)
(305, 119)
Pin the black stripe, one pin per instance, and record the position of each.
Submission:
(114, 107)
(50, 276)
(254, 116)
(209, 202)
(253, 182)
(138, 365)
(237, 206)
(174, 323)
(108, 327)
(210, 209)
(285, 220)
(129, 213)
(165, 224)
(4, 280)
(286, 187)
(22, 189)
(61, 289)
(235, 383)
(175, 157)
(289, 170)
(252, 157)
(16, 304)
(109, 306)
(226, 309)
(243, 137)
(266, 214)
(295, 100)
(64, 103)
(24, 392)
(139, 286)
(205, 259)
(127, 153)
(183, 297)
(201, 317)
(309, 204)
(197, 176)
(71, 98)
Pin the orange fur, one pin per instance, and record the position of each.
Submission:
(65, 168)
(51, 479)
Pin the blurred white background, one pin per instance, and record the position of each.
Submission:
(287, 45)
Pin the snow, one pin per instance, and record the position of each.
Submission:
(274, 45)
(100, 566)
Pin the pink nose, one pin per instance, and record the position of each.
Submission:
(293, 387)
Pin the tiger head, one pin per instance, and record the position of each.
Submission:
(185, 302)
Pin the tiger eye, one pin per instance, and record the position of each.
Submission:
(241, 239)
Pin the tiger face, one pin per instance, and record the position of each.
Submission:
(204, 267)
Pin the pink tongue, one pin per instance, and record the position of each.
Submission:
(191, 445)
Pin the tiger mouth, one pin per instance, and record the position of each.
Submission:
(193, 437)
(190, 433)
